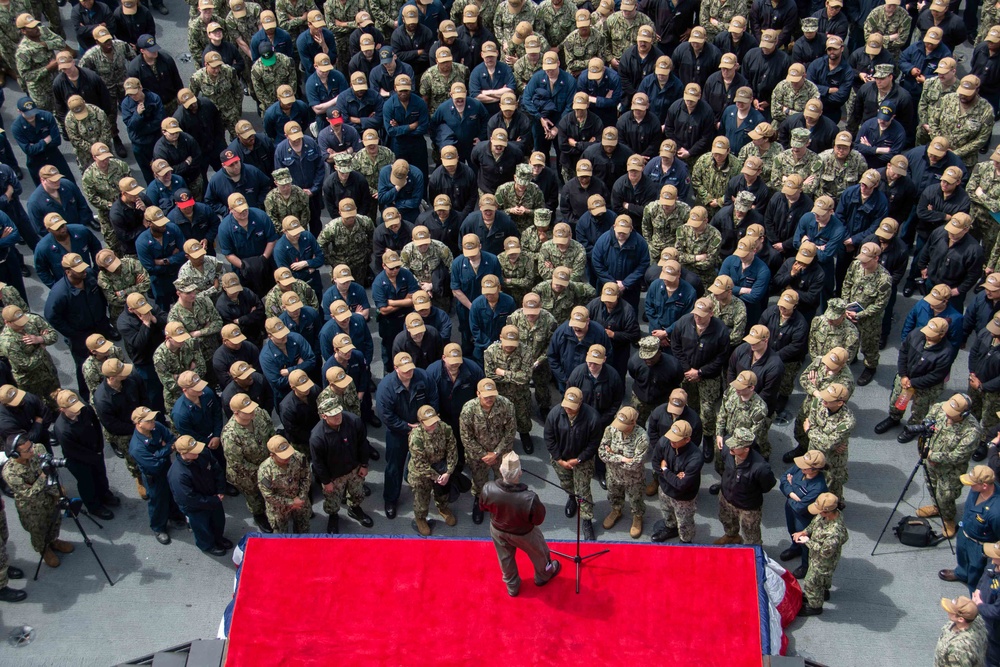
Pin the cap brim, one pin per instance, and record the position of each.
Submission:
(181, 338)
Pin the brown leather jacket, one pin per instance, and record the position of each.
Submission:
(512, 507)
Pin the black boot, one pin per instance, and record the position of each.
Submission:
(665, 534)
(866, 376)
(980, 452)
(788, 457)
(359, 515)
(231, 490)
(262, 523)
(14, 572)
(527, 443)
(886, 424)
(119, 146)
(8, 594)
(588, 530)
(571, 507)
(810, 611)
(714, 489)
(477, 511)
(906, 436)
(333, 524)
(708, 448)
(373, 454)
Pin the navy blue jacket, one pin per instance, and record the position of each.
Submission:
(253, 184)
(978, 314)
(273, 360)
(566, 351)
(78, 312)
(486, 322)
(202, 422)
(73, 208)
(31, 138)
(152, 453)
(454, 395)
(397, 406)
(203, 225)
(360, 334)
(307, 168)
(807, 490)
(197, 484)
(356, 367)
(49, 252)
(625, 262)
(143, 128)
(249, 242)
(281, 42)
(840, 78)
(861, 219)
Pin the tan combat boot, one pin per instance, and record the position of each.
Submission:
(950, 528)
(927, 511)
(423, 527)
(62, 546)
(611, 519)
(448, 517)
(636, 530)
(141, 489)
(50, 557)
(729, 539)
(652, 488)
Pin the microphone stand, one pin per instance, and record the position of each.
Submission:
(577, 558)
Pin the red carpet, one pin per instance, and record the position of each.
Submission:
(412, 602)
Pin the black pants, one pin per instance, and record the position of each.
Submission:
(91, 482)
(207, 525)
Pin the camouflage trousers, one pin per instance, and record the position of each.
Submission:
(922, 137)
(302, 449)
(481, 473)
(707, 275)
(735, 520)
(352, 484)
(299, 517)
(39, 381)
(705, 394)
(798, 429)
(818, 579)
(50, 8)
(83, 158)
(359, 269)
(119, 443)
(41, 519)
(624, 483)
(110, 238)
(787, 385)
(679, 514)
(520, 396)
(920, 403)
(947, 490)
(4, 558)
(984, 227)
(869, 332)
(246, 482)
(422, 489)
(644, 409)
(577, 481)
(984, 407)
(836, 472)
(542, 377)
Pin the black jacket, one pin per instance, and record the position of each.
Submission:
(759, 190)
(81, 440)
(901, 194)
(978, 314)
(261, 155)
(573, 200)
(355, 188)
(687, 459)
(893, 258)
(518, 130)
(952, 26)
(548, 182)
(731, 230)
(744, 485)
(724, 41)
(821, 135)
(632, 68)
(707, 352)
(660, 422)
(299, 417)
(127, 221)
(461, 188)
(636, 196)
(643, 137)
(513, 508)
(128, 28)
(197, 484)
(765, 71)
(768, 369)
(165, 82)
(696, 68)
(114, 408)
(492, 172)
(177, 155)
(984, 361)
(788, 341)
(89, 86)
(805, 51)
(959, 266)
(224, 357)
(578, 440)
(924, 366)
(693, 131)
(623, 321)
(987, 68)
(86, 20)
(866, 105)
(139, 340)
(584, 135)
(608, 168)
(259, 392)
(336, 452)
(603, 393)
(718, 95)
(932, 207)
(653, 384)
(247, 312)
(765, 16)
(32, 416)
(429, 350)
(808, 283)
(781, 219)
(670, 20)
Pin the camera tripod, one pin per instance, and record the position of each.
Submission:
(74, 510)
(921, 463)
(578, 558)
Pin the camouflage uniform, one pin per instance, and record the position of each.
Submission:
(484, 432)
(82, 134)
(824, 378)
(784, 163)
(733, 315)
(245, 449)
(532, 242)
(709, 181)
(561, 304)
(950, 449)
(198, 36)
(277, 207)
(349, 400)
(348, 245)
(504, 21)
(352, 484)
(824, 336)
(573, 258)
(786, 96)
(32, 365)
(369, 168)
(427, 449)
(101, 191)
(535, 340)
(280, 486)
(220, 8)
(929, 108)
(243, 28)
(523, 70)
(9, 296)
(826, 540)
(169, 365)
(202, 317)
(767, 157)
(984, 176)
(555, 24)
(264, 79)
(532, 199)
(659, 228)
(384, 12)
(964, 648)
(92, 375)
(290, 16)
(577, 51)
(345, 12)
(690, 244)
(836, 176)
(736, 413)
(226, 90)
(967, 131)
(211, 270)
(871, 291)
(31, 59)
(577, 481)
(423, 265)
(514, 384)
(625, 479)
(435, 87)
(272, 301)
(111, 68)
(621, 33)
(703, 396)
(37, 504)
(9, 34)
(989, 16)
(898, 24)
(518, 279)
(829, 433)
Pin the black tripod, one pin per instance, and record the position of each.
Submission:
(578, 559)
(921, 463)
(74, 510)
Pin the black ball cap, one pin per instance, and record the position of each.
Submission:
(265, 49)
(13, 440)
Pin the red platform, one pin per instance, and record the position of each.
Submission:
(399, 601)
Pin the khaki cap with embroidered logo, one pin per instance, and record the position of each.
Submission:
(291, 302)
(698, 217)
(789, 298)
(664, 65)
(626, 418)
(427, 415)
(177, 332)
(728, 61)
(531, 304)
(668, 195)
(743, 248)
(680, 430)
(935, 329)
(692, 92)
(107, 259)
(959, 222)
(958, 405)
(609, 293)
(939, 295)
(15, 315)
(806, 253)
(343, 343)
(721, 285)
(191, 380)
(826, 502)
(116, 368)
(138, 303)
(510, 336)
(11, 395)
(980, 474)
(69, 401)
(887, 228)
(242, 402)
(470, 245)
(811, 460)
(762, 130)
(550, 61)
(952, 175)
(579, 318)
(757, 334)
(275, 327)
(284, 276)
(745, 380)
(74, 263)
(96, 343)
(623, 223)
(233, 334)
(933, 36)
(572, 398)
